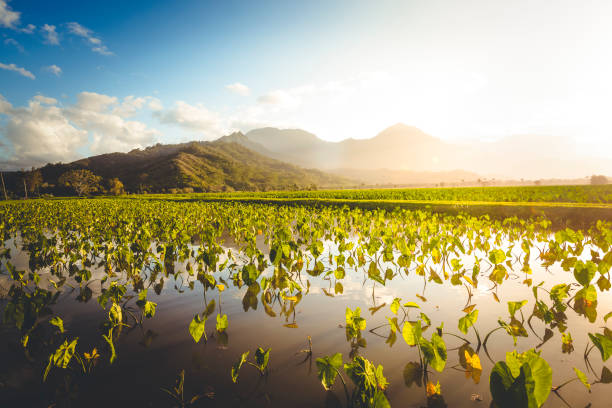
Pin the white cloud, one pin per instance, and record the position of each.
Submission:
(54, 69)
(19, 70)
(8, 17)
(92, 101)
(14, 43)
(39, 134)
(45, 100)
(92, 40)
(155, 104)
(29, 29)
(238, 88)
(77, 29)
(50, 34)
(195, 118)
(102, 50)
(280, 97)
(44, 131)
(104, 116)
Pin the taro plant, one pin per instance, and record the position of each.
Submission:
(262, 358)
(177, 393)
(197, 327)
(368, 379)
(522, 381)
(354, 325)
(431, 352)
(62, 357)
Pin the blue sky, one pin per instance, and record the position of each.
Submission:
(87, 77)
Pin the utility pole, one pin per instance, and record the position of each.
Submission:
(3, 186)
(25, 188)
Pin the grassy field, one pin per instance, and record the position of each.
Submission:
(580, 194)
(565, 206)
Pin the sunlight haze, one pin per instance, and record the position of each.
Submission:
(465, 72)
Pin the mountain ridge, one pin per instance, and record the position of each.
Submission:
(209, 166)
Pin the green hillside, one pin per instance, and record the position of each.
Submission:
(202, 166)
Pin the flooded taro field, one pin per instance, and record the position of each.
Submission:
(137, 303)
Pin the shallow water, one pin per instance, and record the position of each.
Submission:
(151, 356)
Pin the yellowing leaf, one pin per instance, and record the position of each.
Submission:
(433, 389)
(469, 309)
(473, 360)
(290, 298)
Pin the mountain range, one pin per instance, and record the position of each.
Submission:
(401, 148)
(195, 166)
(280, 159)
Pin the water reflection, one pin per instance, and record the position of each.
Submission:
(269, 313)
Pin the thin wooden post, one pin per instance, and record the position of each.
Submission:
(3, 186)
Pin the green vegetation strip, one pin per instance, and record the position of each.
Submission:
(596, 194)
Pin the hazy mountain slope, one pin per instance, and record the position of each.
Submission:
(402, 147)
(397, 147)
(204, 166)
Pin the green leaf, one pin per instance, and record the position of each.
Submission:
(607, 316)
(497, 256)
(583, 378)
(374, 273)
(261, 358)
(411, 332)
(238, 365)
(354, 320)
(115, 315)
(149, 309)
(327, 369)
(513, 307)
(64, 353)
(413, 374)
(221, 323)
(379, 400)
(603, 344)
(58, 322)
(142, 296)
(468, 321)
(61, 357)
(508, 391)
(539, 373)
(412, 304)
(210, 308)
(499, 274)
(197, 328)
(395, 305)
(606, 375)
(584, 272)
(48, 368)
(394, 325)
(367, 378)
(434, 351)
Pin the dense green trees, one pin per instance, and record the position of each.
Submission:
(115, 186)
(83, 182)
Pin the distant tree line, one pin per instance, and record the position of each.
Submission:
(598, 180)
(80, 182)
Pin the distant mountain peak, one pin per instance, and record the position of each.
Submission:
(401, 130)
(233, 137)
